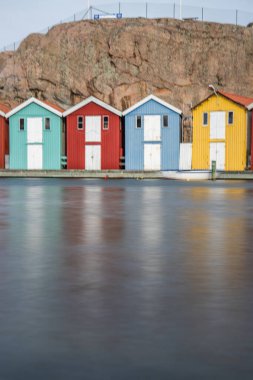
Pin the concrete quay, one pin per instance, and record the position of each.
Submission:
(104, 174)
(111, 174)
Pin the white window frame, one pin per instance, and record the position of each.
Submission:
(232, 119)
(136, 121)
(203, 119)
(47, 129)
(21, 129)
(104, 116)
(165, 126)
(77, 122)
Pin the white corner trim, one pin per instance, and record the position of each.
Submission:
(250, 107)
(90, 100)
(156, 99)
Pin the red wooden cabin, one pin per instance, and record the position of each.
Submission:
(93, 136)
(4, 135)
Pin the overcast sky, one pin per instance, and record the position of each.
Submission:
(21, 17)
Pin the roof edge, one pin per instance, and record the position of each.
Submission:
(91, 99)
(147, 99)
(36, 101)
(221, 93)
(202, 101)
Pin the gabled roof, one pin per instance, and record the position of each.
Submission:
(156, 99)
(238, 99)
(92, 99)
(48, 106)
(3, 109)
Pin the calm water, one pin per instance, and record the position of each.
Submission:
(126, 280)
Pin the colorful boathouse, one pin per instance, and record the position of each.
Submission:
(35, 134)
(222, 132)
(94, 136)
(152, 135)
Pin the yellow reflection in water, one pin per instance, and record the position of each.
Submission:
(217, 233)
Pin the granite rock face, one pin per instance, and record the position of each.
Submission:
(122, 61)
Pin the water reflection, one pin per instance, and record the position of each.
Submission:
(95, 214)
(151, 224)
(218, 228)
(148, 279)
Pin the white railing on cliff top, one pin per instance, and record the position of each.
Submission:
(155, 10)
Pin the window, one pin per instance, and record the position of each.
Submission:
(21, 124)
(105, 122)
(165, 121)
(231, 117)
(47, 123)
(205, 118)
(138, 121)
(80, 122)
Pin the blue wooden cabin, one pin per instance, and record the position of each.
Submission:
(152, 135)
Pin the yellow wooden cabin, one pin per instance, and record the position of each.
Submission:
(222, 132)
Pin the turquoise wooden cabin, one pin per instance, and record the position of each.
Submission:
(35, 132)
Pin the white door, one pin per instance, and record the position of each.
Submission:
(34, 157)
(93, 128)
(218, 125)
(152, 157)
(93, 157)
(185, 162)
(217, 153)
(34, 130)
(152, 128)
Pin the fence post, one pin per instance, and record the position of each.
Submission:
(236, 17)
(14, 45)
(202, 14)
(119, 8)
(146, 10)
(74, 17)
(174, 10)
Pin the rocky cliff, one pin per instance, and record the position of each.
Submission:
(121, 61)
